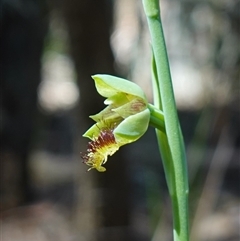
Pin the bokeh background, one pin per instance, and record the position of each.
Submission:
(49, 50)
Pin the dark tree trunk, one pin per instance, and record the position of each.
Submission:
(22, 35)
(89, 24)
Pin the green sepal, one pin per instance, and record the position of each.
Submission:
(93, 131)
(132, 128)
(108, 85)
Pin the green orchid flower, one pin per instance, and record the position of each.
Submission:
(124, 120)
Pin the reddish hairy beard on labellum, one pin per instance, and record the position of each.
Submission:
(99, 149)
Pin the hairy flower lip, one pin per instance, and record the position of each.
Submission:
(99, 149)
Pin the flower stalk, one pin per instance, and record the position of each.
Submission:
(171, 142)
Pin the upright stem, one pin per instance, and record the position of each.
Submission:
(171, 144)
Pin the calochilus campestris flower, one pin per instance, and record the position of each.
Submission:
(124, 120)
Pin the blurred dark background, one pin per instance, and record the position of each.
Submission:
(49, 50)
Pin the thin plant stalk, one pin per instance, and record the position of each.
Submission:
(171, 141)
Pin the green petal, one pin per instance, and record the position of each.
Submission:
(92, 132)
(118, 99)
(105, 114)
(108, 85)
(131, 108)
(103, 124)
(132, 128)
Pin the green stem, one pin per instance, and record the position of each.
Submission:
(156, 118)
(171, 144)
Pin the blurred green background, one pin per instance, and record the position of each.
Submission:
(50, 49)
